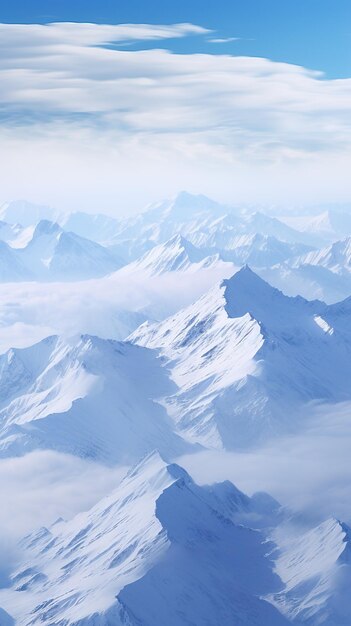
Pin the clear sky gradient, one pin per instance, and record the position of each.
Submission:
(312, 33)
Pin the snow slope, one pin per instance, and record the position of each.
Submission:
(315, 570)
(323, 273)
(330, 225)
(12, 267)
(27, 213)
(307, 280)
(47, 252)
(158, 550)
(177, 254)
(203, 222)
(9, 232)
(336, 257)
(248, 361)
(91, 398)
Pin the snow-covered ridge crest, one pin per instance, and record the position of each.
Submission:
(89, 397)
(157, 550)
(315, 570)
(247, 359)
(47, 252)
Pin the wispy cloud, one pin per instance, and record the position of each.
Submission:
(294, 468)
(222, 39)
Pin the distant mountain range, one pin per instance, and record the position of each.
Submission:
(240, 367)
(185, 233)
(47, 252)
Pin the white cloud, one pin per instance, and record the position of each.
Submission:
(309, 471)
(31, 311)
(223, 39)
(82, 121)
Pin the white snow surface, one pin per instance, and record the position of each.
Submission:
(225, 361)
(158, 550)
(250, 362)
(47, 252)
(161, 550)
(91, 398)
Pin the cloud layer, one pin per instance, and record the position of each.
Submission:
(308, 472)
(69, 95)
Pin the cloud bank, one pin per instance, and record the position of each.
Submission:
(82, 119)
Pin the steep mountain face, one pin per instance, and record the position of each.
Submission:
(259, 250)
(323, 273)
(47, 252)
(9, 232)
(11, 266)
(90, 398)
(158, 550)
(315, 570)
(310, 281)
(248, 361)
(336, 257)
(329, 225)
(177, 254)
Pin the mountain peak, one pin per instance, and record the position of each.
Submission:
(153, 468)
(246, 292)
(46, 227)
(184, 202)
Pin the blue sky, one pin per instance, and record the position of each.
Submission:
(115, 104)
(312, 33)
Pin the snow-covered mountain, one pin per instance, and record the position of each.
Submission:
(336, 257)
(96, 226)
(12, 267)
(242, 364)
(162, 550)
(9, 232)
(241, 368)
(324, 273)
(178, 254)
(203, 222)
(158, 550)
(330, 225)
(27, 213)
(315, 569)
(47, 252)
(248, 361)
(259, 250)
(259, 239)
(90, 397)
(310, 281)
